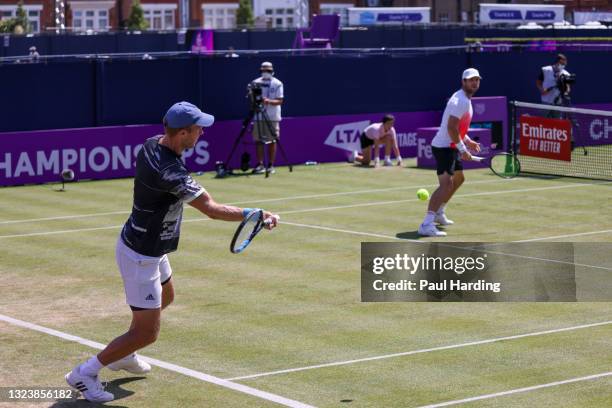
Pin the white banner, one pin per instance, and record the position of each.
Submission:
(520, 13)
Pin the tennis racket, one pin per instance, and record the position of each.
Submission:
(504, 165)
(248, 229)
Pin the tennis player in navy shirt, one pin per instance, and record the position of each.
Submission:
(162, 185)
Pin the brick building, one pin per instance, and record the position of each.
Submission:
(101, 15)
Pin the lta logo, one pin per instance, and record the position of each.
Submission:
(346, 135)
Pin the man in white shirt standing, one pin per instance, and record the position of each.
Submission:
(547, 82)
(267, 132)
(449, 147)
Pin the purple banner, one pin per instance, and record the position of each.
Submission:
(109, 152)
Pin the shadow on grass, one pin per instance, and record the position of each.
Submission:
(113, 387)
(408, 235)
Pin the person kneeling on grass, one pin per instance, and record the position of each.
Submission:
(378, 134)
(161, 186)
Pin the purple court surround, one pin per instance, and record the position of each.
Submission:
(109, 152)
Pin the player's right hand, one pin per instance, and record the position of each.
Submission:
(270, 220)
(466, 156)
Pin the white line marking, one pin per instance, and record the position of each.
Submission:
(168, 366)
(268, 200)
(64, 217)
(446, 245)
(518, 390)
(34, 234)
(427, 350)
(486, 193)
(580, 234)
(328, 208)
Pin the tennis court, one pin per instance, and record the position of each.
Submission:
(284, 318)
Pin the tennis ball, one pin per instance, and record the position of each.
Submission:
(423, 194)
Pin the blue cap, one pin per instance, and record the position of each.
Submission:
(184, 114)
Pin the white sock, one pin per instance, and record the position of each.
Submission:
(91, 367)
(399, 158)
(387, 158)
(441, 209)
(429, 218)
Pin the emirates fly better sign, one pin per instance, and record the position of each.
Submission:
(546, 138)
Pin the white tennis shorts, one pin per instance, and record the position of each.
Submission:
(142, 276)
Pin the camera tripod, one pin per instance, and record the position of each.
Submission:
(223, 169)
(564, 100)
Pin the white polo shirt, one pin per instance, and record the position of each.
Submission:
(550, 77)
(459, 106)
(271, 89)
(376, 131)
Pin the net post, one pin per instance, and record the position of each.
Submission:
(511, 135)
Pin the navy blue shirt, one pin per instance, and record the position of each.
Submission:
(161, 186)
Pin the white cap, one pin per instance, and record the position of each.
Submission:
(266, 65)
(470, 73)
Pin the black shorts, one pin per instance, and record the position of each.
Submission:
(447, 160)
(365, 141)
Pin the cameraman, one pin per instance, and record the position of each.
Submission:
(272, 93)
(550, 81)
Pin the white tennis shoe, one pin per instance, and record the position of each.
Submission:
(90, 386)
(131, 364)
(430, 230)
(443, 220)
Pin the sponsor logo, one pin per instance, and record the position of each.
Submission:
(346, 135)
(505, 15)
(400, 17)
(545, 137)
(98, 159)
(408, 139)
(367, 17)
(424, 149)
(540, 15)
(600, 129)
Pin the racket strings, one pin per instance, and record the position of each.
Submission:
(245, 234)
(505, 165)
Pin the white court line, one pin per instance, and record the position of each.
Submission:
(168, 366)
(319, 227)
(35, 234)
(267, 200)
(579, 234)
(518, 390)
(421, 351)
(486, 193)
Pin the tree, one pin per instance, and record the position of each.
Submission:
(22, 18)
(18, 24)
(244, 14)
(136, 20)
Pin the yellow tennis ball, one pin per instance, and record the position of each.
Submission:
(423, 194)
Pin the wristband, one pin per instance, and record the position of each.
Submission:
(247, 211)
(461, 147)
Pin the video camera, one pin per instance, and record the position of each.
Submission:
(563, 81)
(255, 95)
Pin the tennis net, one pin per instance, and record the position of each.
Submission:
(562, 141)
